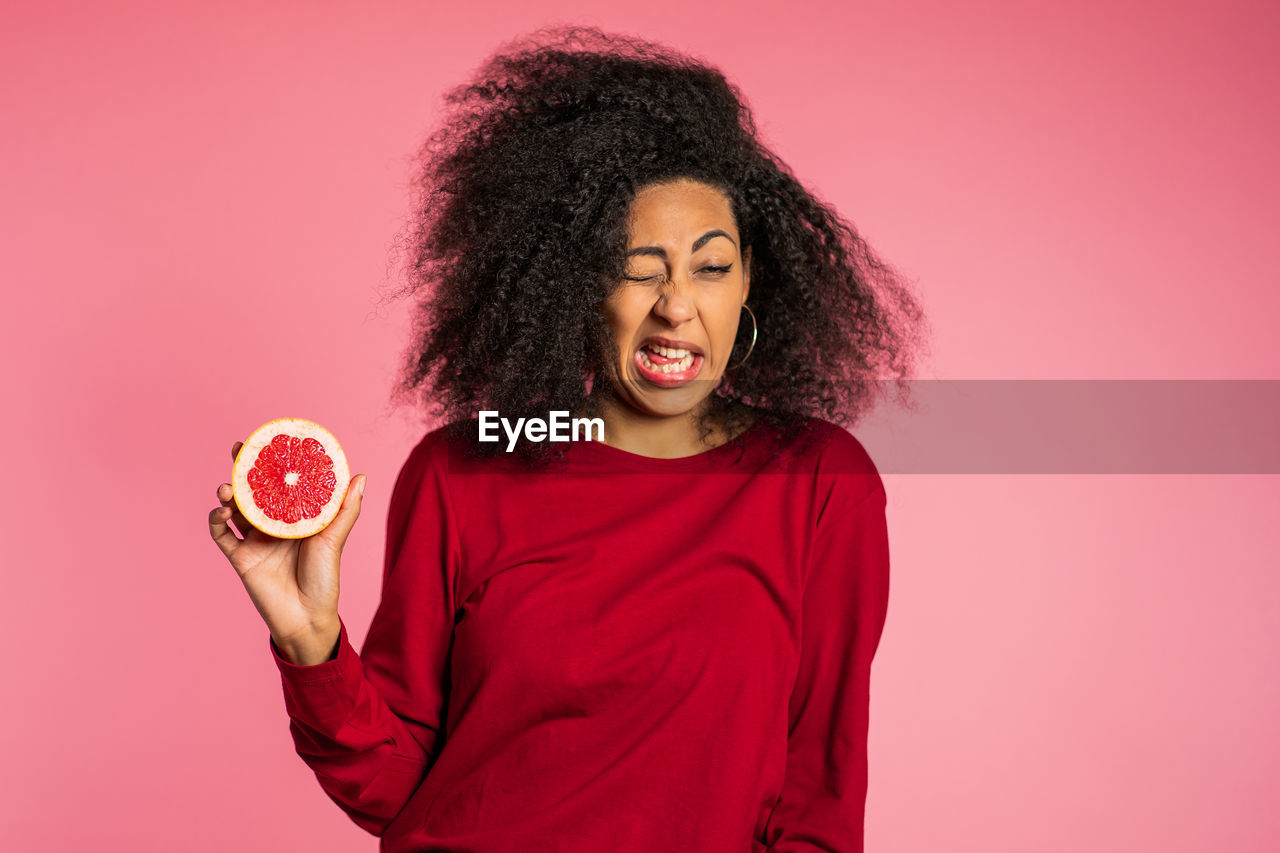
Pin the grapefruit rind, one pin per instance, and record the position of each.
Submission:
(248, 456)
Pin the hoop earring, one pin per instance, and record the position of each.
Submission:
(754, 331)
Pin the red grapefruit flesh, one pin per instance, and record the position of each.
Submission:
(290, 477)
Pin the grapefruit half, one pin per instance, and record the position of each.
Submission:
(289, 478)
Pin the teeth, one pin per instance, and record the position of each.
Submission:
(673, 367)
(669, 352)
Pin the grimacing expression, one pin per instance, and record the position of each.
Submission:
(675, 316)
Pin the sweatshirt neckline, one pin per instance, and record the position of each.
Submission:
(639, 462)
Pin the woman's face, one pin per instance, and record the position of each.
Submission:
(675, 316)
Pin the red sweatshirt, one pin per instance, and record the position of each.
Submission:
(626, 654)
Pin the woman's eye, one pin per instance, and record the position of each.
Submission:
(711, 270)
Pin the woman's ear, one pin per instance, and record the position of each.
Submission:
(746, 274)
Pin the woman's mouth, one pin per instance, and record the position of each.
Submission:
(667, 366)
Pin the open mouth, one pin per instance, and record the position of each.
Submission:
(667, 365)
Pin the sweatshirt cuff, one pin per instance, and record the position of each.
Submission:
(321, 696)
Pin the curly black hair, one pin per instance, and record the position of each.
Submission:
(518, 235)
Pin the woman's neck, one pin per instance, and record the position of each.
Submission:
(655, 436)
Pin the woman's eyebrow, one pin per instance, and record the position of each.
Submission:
(697, 244)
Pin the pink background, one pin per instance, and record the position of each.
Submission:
(198, 204)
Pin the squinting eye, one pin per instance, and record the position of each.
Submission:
(713, 270)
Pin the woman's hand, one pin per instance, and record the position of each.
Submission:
(293, 582)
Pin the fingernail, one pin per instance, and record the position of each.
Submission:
(360, 488)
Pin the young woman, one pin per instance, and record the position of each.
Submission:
(657, 641)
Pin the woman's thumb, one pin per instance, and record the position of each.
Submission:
(348, 513)
(351, 503)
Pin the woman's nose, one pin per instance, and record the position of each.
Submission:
(674, 303)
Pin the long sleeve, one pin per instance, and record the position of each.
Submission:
(367, 723)
(846, 595)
